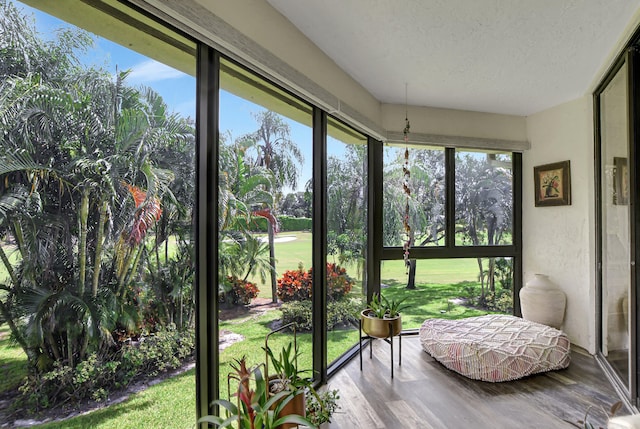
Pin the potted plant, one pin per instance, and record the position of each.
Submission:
(286, 378)
(381, 319)
(255, 407)
(321, 406)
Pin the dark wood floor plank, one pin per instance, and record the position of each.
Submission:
(425, 395)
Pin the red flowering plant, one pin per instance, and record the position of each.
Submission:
(339, 283)
(238, 291)
(295, 285)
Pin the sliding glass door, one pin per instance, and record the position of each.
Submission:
(616, 107)
(614, 216)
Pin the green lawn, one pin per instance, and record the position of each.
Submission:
(167, 405)
(13, 362)
(13, 256)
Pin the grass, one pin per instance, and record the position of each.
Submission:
(429, 301)
(438, 282)
(13, 256)
(167, 405)
(13, 362)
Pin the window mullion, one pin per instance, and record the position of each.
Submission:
(450, 198)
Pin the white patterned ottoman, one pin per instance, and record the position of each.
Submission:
(495, 347)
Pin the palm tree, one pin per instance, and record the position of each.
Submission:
(483, 206)
(70, 136)
(279, 154)
(244, 189)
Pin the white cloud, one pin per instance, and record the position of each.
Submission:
(152, 71)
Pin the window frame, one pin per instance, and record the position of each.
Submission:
(450, 249)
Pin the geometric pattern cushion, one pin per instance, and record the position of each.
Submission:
(495, 347)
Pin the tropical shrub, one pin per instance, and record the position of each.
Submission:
(298, 312)
(339, 283)
(243, 292)
(96, 377)
(286, 223)
(343, 311)
(237, 291)
(321, 406)
(500, 301)
(339, 313)
(296, 285)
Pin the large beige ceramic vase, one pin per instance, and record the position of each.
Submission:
(543, 302)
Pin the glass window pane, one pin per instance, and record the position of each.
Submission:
(346, 234)
(615, 224)
(99, 233)
(484, 198)
(264, 218)
(426, 208)
(450, 288)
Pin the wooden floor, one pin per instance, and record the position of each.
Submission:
(425, 395)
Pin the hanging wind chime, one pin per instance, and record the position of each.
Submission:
(407, 190)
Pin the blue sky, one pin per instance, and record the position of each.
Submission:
(179, 89)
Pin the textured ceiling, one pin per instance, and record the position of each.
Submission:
(502, 56)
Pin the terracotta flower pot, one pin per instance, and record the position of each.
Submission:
(296, 405)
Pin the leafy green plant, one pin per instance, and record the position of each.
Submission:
(322, 405)
(285, 364)
(97, 376)
(298, 312)
(394, 307)
(381, 307)
(339, 313)
(377, 307)
(296, 285)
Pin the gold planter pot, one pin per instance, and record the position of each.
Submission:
(379, 328)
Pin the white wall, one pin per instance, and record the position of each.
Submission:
(560, 241)
(450, 122)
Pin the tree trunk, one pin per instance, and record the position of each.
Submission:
(134, 266)
(83, 214)
(53, 344)
(69, 347)
(411, 283)
(482, 292)
(99, 242)
(492, 278)
(125, 269)
(272, 261)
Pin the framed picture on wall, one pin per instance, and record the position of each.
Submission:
(552, 183)
(620, 181)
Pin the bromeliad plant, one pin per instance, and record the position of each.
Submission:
(255, 408)
(286, 377)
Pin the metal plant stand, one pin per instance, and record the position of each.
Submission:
(388, 340)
